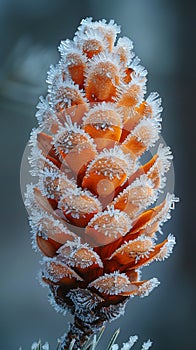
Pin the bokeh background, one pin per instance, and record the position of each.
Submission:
(163, 34)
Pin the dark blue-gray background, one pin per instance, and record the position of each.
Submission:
(163, 34)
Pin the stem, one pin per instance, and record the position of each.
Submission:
(79, 331)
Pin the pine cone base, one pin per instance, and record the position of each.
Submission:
(90, 313)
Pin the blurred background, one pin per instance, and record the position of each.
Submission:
(163, 34)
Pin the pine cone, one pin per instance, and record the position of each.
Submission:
(89, 211)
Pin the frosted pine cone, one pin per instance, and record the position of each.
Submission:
(89, 210)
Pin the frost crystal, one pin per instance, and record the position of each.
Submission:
(113, 283)
(147, 287)
(38, 346)
(132, 340)
(146, 345)
(115, 347)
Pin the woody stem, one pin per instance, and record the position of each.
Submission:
(79, 331)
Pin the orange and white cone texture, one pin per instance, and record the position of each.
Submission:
(91, 211)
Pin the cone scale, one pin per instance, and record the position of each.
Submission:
(93, 210)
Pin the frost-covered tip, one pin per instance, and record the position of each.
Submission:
(132, 340)
(146, 288)
(92, 343)
(147, 345)
(128, 345)
(39, 346)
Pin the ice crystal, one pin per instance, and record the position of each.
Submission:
(92, 343)
(38, 346)
(113, 283)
